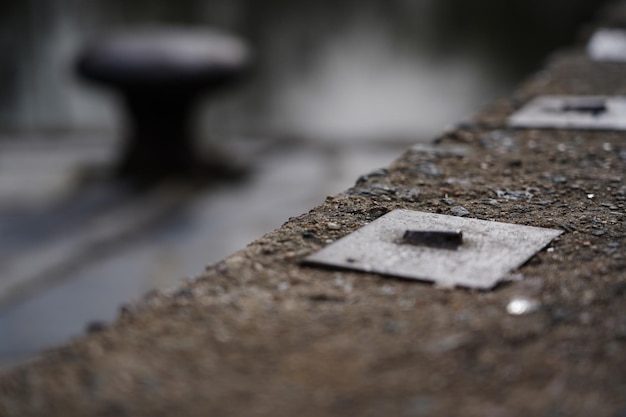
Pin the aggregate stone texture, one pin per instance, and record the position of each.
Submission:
(258, 334)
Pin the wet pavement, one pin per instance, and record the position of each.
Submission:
(75, 246)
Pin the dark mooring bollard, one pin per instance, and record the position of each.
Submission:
(161, 73)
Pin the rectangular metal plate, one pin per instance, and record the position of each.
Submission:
(608, 45)
(573, 112)
(490, 250)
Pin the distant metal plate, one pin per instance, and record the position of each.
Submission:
(608, 45)
(490, 250)
(573, 112)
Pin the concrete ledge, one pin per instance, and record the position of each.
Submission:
(259, 334)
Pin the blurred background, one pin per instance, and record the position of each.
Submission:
(338, 88)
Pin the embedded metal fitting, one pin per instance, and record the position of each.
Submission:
(432, 238)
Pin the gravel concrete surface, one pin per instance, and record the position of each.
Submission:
(259, 334)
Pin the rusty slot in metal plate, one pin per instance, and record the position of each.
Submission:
(437, 239)
(572, 112)
(489, 250)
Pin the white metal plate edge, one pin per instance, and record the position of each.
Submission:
(546, 112)
(490, 250)
(608, 45)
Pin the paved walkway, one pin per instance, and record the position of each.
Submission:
(71, 252)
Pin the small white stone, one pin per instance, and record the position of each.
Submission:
(333, 226)
(388, 290)
(520, 305)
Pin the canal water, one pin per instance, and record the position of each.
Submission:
(339, 88)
